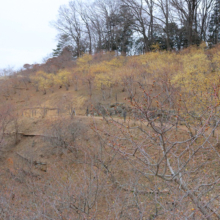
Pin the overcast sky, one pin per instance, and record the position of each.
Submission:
(25, 33)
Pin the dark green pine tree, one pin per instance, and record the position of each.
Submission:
(118, 31)
(214, 24)
(62, 43)
(57, 51)
(124, 38)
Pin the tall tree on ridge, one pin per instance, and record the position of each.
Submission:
(187, 11)
(214, 25)
(69, 24)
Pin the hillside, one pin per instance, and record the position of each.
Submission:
(112, 137)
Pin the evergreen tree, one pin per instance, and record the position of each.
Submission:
(118, 30)
(62, 43)
(177, 37)
(57, 51)
(214, 25)
(125, 39)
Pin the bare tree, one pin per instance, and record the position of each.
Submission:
(141, 25)
(203, 17)
(64, 135)
(97, 26)
(69, 24)
(187, 11)
(84, 14)
(174, 158)
(164, 10)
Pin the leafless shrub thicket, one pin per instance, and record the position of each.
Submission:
(9, 125)
(171, 160)
(65, 135)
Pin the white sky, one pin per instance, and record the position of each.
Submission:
(25, 33)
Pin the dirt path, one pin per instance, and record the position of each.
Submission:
(131, 122)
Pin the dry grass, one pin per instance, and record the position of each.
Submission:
(39, 179)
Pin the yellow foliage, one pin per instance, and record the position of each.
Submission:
(195, 79)
(194, 72)
(116, 62)
(103, 79)
(155, 47)
(83, 63)
(43, 80)
(99, 68)
(203, 45)
(63, 78)
(216, 62)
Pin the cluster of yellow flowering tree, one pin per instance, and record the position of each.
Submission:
(194, 72)
(160, 160)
